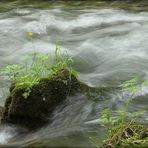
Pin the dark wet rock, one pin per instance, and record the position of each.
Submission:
(35, 111)
(1, 111)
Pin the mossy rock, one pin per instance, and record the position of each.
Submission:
(1, 111)
(127, 135)
(35, 111)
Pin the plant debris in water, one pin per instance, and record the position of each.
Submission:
(127, 135)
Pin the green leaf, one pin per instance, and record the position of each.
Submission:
(43, 58)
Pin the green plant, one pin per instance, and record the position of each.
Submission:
(123, 130)
(40, 66)
(133, 87)
(121, 123)
(113, 118)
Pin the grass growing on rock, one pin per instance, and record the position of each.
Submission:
(37, 87)
(41, 66)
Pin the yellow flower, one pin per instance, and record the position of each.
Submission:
(30, 34)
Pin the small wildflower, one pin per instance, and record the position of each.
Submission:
(30, 34)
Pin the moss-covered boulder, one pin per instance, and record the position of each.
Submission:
(127, 135)
(35, 110)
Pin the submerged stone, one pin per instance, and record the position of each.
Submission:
(35, 111)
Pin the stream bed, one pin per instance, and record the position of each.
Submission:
(109, 45)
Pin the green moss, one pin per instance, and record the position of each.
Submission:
(127, 135)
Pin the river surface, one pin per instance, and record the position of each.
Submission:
(109, 44)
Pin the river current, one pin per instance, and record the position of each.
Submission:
(109, 45)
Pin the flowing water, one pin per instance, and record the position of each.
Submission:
(109, 44)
